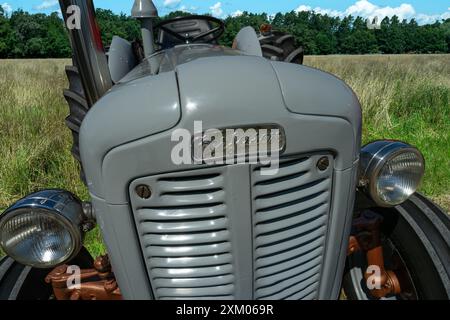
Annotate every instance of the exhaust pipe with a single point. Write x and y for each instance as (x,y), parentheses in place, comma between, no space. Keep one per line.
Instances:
(86,42)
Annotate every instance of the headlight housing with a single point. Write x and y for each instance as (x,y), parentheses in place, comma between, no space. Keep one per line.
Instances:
(391,171)
(43,229)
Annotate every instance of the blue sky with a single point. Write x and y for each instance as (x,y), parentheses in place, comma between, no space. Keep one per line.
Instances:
(424,11)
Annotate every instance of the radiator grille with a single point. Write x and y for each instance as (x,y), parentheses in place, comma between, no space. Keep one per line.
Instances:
(186,239)
(233,233)
(290,219)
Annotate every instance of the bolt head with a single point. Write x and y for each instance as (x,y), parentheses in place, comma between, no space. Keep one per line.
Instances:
(143,191)
(323,163)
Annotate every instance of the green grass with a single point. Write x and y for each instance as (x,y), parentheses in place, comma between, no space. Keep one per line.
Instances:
(403,97)
(34,143)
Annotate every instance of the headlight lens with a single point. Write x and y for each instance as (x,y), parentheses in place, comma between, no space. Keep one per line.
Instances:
(42,230)
(37,238)
(399,178)
(392,171)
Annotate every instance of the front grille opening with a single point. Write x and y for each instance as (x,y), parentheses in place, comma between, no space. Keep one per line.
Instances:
(187,206)
(318,241)
(190,235)
(295,226)
(174,221)
(191,192)
(200,244)
(316,253)
(283,163)
(308,282)
(290,238)
(291,203)
(190,178)
(281,179)
(312,263)
(292,190)
(292,215)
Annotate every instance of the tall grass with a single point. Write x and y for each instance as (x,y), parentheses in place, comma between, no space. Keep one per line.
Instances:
(34,142)
(403,97)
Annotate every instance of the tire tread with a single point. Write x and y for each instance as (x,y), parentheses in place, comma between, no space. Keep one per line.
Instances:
(78,107)
(281,46)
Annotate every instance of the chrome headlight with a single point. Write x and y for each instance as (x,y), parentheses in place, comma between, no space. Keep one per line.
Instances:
(43,229)
(391,171)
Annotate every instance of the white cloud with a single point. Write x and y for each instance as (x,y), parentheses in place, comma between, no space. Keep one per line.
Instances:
(216,9)
(303,8)
(46,4)
(366,9)
(187,9)
(425,18)
(319,10)
(237,13)
(7,7)
(171,3)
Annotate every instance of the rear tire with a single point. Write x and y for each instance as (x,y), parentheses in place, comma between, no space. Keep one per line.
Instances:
(417,233)
(19,282)
(281,46)
(78,107)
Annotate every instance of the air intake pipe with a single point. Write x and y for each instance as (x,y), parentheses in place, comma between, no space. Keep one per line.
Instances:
(87,47)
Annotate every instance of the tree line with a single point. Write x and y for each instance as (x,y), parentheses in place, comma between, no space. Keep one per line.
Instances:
(26,35)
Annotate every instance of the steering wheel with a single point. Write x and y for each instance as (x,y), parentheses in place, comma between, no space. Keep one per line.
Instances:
(216,32)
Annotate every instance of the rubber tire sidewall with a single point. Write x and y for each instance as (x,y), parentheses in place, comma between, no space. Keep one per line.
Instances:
(25,283)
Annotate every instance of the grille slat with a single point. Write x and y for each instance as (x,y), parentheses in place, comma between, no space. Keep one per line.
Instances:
(193,198)
(168,214)
(182,227)
(287,168)
(199,272)
(194,282)
(202,183)
(299,179)
(290,220)
(186,238)
(181,251)
(183,262)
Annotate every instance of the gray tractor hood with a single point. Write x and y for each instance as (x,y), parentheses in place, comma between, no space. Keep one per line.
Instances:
(224,89)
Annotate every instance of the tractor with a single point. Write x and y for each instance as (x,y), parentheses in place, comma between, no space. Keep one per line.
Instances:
(221,173)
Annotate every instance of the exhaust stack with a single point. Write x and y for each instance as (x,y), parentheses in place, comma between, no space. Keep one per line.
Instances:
(145,11)
(89,54)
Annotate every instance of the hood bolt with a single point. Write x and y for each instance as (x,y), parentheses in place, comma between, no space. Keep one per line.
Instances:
(323,163)
(143,191)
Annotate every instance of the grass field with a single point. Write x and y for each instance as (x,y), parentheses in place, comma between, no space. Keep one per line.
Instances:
(403,97)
